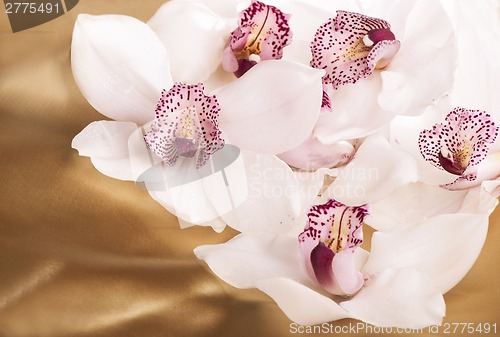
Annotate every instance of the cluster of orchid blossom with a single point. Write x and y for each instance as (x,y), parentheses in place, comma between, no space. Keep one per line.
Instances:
(297,123)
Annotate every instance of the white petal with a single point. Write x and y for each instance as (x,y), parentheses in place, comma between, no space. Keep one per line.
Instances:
(478,33)
(444,248)
(398,298)
(225,9)
(106,143)
(248,258)
(272,108)
(356,112)
(300,303)
(194,38)
(376,170)
(276,199)
(427,51)
(120,66)
(492,187)
(413,203)
(480,199)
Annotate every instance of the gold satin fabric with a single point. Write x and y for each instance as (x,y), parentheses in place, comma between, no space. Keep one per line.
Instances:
(82,254)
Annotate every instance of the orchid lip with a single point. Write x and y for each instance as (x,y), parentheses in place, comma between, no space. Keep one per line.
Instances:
(262,33)
(351,46)
(328,242)
(186,124)
(460,143)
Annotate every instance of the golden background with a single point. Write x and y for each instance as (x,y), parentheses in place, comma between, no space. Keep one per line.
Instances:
(82,254)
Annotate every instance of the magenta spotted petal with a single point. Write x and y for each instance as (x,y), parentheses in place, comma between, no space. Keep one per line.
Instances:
(185,125)
(350,46)
(460,143)
(327,244)
(264,31)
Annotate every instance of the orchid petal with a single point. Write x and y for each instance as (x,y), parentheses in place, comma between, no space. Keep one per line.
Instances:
(412,204)
(371,176)
(478,47)
(106,143)
(312,154)
(492,187)
(194,38)
(248,258)
(300,303)
(275,191)
(120,66)
(429,248)
(420,59)
(347,276)
(355,112)
(404,298)
(272,108)
(224,9)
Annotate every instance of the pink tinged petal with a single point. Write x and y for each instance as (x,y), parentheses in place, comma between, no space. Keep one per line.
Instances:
(443,248)
(312,154)
(377,170)
(263,30)
(272,108)
(333,228)
(350,46)
(347,276)
(120,66)
(398,298)
(459,143)
(194,38)
(106,143)
(300,303)
(185,125)
(248,258)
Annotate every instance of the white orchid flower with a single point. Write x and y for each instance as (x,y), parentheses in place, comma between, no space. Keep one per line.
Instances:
(326,276)
(121,67)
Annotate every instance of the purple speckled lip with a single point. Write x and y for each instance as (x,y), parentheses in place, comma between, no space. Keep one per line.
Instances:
(185,125)
(462,141)
(340,47)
